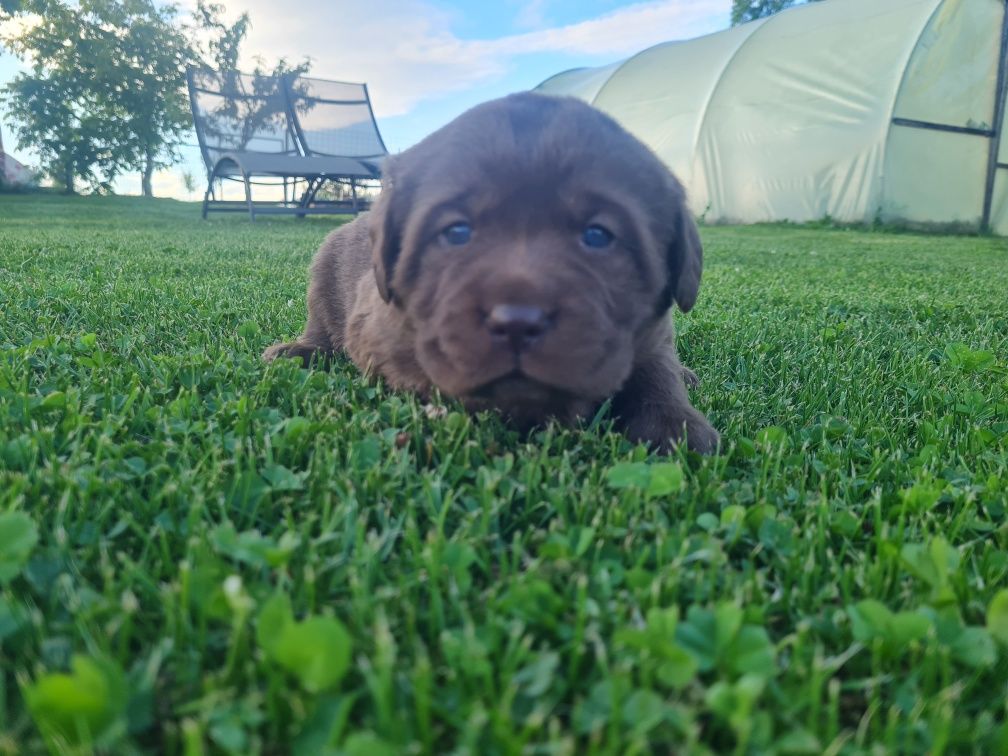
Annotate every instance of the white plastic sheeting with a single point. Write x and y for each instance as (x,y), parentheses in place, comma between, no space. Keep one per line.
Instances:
(832,109)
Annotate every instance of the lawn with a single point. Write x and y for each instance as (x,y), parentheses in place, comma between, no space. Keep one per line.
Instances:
(203,554)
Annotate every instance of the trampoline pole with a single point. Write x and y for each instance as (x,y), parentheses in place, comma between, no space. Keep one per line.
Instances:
(996,127)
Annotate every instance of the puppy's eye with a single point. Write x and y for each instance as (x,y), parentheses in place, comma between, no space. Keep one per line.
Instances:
(457,234)
(596,237)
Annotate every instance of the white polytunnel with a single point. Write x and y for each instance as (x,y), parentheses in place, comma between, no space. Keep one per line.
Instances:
(855,110)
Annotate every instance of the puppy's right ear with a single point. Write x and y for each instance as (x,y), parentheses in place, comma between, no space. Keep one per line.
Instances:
(686,258)
(384,227)
(684,254)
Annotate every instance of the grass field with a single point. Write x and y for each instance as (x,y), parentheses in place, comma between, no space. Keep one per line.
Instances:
(203,554)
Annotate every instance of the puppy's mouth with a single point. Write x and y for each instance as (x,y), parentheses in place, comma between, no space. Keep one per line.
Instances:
(516,387)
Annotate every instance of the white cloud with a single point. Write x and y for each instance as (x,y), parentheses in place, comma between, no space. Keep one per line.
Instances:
(621,32)
(406,51)
(531,14)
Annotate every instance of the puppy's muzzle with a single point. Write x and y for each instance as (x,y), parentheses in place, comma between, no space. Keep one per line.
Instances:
(517,326)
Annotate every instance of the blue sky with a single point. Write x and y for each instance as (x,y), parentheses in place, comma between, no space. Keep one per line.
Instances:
(425,61)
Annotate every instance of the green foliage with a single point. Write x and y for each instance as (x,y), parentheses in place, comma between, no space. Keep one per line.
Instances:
(671,663)
(18,536)
(316,650)
(895,634)
(961,357)
(935,564)
(655,479)
(871,621)
(735,704)
(997,616)
(750,10)
(81,710)
(720,639)
(255,558)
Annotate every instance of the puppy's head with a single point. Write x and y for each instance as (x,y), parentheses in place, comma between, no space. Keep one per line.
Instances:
(531,242)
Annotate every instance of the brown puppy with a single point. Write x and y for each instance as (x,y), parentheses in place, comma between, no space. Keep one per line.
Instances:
(522,258)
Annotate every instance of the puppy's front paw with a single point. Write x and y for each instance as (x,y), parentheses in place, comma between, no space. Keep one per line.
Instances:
(297,350)
(691,379)
(665,430)
(701,436)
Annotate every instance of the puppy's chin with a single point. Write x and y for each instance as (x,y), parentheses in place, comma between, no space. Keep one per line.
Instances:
(526,402)
(515,388)
(530,386)
(555,371)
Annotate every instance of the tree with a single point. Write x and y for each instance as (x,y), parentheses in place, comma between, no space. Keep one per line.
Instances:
(57,108)
(148,80)
(750,10)
(223,47)
(105,91)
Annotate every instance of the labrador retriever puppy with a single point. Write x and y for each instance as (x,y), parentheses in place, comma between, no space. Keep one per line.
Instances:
(523,258)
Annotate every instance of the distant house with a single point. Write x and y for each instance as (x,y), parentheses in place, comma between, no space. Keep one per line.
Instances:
(14,173)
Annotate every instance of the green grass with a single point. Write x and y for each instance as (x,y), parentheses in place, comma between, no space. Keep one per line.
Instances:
(203,554)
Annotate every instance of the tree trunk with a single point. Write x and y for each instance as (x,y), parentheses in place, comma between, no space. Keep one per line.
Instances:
(68,177)
(147,173)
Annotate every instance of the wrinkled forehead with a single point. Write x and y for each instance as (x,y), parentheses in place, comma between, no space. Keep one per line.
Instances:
(532,154)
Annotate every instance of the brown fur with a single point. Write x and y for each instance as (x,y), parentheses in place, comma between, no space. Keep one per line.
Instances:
(529,173)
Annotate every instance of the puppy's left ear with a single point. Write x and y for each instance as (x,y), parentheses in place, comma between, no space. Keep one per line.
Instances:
(685,255)
(384,228)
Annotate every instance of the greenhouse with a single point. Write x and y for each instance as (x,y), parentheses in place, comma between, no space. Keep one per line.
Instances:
(855,110)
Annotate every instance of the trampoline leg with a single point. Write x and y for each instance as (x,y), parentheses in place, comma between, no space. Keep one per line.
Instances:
(207,195)
(313,185)
(248,196)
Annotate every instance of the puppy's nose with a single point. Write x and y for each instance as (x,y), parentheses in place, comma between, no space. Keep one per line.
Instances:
(520,325)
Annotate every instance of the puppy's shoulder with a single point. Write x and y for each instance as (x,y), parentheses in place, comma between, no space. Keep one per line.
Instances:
(342,262)
(347,244)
